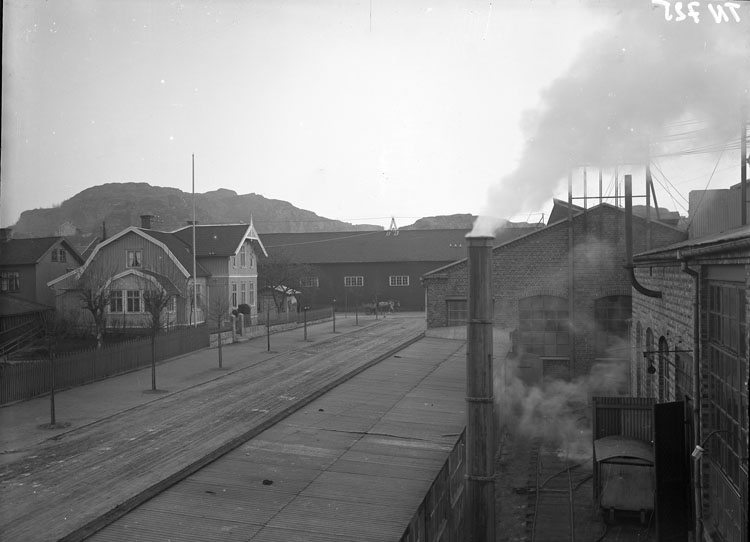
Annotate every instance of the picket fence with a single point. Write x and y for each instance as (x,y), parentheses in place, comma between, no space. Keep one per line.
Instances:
(29,378)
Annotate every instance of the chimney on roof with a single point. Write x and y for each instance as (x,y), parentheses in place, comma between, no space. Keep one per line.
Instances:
(6,234)
(146,221)
(190,222)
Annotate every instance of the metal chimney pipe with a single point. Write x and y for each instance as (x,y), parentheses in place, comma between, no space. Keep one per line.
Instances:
(480,424)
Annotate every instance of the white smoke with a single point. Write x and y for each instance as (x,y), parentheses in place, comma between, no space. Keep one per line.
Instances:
(628,83)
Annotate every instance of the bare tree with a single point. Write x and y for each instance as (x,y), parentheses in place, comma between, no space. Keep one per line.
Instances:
(219,312)
(281,275)
(155,302)
(93,290)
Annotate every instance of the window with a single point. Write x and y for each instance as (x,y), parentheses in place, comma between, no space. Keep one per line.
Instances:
(543,326)
(728,405)
(234,261)
(243,257)
(354,281)
(63,256)
(171,305)
(251,293)
(54,255)
(457,312)
(134,300)
(398,280)
(115,301)
(10,281)
(134,258)
(234,294)
(243,292)
(309,282)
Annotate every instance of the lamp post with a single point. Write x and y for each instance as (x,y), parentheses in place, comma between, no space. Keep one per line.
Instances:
(304,310)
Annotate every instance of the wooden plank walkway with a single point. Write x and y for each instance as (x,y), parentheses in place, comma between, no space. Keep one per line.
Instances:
(352,465)
(103,469)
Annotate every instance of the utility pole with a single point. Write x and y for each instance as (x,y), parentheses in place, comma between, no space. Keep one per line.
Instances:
(743,164)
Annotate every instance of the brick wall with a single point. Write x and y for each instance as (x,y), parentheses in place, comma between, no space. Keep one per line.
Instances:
(538,264)
(670,316)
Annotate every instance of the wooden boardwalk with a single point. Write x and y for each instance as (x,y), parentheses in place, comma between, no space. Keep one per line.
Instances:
(354,464)
(91,475)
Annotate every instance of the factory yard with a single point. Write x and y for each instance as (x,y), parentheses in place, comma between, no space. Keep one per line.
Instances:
(125,448)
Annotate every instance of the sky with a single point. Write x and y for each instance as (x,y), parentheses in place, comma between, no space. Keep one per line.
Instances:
(364,110)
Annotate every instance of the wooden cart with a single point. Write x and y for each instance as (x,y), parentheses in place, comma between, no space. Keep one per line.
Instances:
(624,476)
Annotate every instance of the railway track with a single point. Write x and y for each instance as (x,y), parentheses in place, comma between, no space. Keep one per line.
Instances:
(557,477)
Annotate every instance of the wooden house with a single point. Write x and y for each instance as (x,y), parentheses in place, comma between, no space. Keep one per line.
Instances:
(138,260)
(27,265)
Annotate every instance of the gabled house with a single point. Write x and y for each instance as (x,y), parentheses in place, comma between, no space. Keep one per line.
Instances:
(563,291)
(228,252)
(27,265)
(139,260)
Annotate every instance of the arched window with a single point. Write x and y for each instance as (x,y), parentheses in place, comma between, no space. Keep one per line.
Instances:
(543,325)
(650,384)
(639,360)
(663,370)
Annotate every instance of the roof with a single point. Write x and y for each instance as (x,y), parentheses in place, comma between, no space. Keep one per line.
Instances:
(218,239)
(716,242)
(30,251)
(602,207)
(619,446)
(179,249)
(13,305)
(378,245)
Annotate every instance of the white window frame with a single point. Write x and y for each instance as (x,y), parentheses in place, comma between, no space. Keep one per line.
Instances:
(398,280)
(136,261)
(243,293)
(309,282)
(116,296)
(354,281)
(128,297)
(243,257)
(234,295)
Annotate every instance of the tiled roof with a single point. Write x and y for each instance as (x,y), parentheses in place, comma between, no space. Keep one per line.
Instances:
(29,251)
(377,246)
(214,240)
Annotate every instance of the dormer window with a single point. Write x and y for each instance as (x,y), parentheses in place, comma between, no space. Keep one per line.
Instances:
(134,258)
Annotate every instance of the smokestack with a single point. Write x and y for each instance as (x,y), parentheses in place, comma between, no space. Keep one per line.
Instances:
(146,221)
(480,430)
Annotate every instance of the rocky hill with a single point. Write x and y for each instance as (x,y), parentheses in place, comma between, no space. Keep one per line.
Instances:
(116,206)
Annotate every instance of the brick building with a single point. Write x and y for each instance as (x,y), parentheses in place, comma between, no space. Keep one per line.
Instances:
(563,290)
(693,341)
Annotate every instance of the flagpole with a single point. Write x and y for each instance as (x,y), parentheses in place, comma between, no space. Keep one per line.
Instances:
(195,278)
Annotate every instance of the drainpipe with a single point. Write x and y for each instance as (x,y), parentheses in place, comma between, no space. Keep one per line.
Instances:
(697,479)
(480,430)
(629,240)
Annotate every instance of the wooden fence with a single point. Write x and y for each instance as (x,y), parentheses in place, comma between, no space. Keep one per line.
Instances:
(26,379)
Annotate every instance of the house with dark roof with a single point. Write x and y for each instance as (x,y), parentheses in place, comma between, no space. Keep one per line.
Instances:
(27,265)
(359,267)
(222,275)
(563,291)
